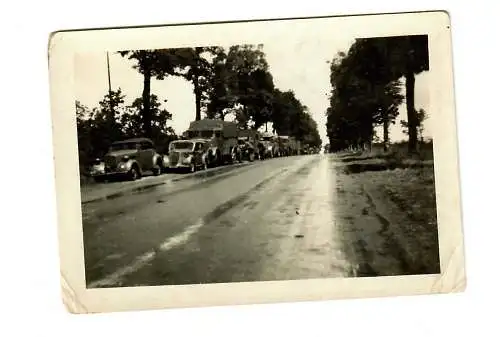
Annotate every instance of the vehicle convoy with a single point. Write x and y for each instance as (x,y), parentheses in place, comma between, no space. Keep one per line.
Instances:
(129,159)
(188,154)
(221,137)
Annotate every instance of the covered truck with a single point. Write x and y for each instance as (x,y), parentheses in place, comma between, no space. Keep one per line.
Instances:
(222,137)
(248,143)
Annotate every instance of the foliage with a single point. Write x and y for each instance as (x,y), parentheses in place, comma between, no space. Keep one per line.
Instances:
(113,120)
(421,117)
(366,89)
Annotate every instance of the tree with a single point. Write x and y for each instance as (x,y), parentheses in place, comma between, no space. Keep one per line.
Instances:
(99,127)
(404,56)
(221,99)
(389,109)
(161,132)
(194,65)
(356,102)
(151,64)
(250,83)
(83,125)
(421,117)
(366,88)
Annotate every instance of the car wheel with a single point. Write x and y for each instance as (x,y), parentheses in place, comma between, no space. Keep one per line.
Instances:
(157,170)
(133,173)
(99,179)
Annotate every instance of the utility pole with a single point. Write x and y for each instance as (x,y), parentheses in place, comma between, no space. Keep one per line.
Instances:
(111,103)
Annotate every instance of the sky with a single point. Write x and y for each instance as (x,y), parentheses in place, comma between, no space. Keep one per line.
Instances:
(297,65)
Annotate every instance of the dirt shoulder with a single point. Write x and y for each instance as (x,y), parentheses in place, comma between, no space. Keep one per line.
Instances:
(400,193)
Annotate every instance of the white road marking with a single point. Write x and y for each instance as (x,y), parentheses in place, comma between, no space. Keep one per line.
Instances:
(143,260)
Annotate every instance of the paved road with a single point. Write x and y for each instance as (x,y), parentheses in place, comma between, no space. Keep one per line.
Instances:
(272,220)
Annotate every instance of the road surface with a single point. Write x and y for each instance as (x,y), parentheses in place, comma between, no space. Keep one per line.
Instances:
(286,218)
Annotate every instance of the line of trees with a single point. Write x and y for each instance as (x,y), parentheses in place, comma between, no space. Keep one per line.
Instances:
(236,82)
(366,90)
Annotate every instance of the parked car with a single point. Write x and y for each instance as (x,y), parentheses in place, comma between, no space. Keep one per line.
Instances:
(129,159)
(188,154)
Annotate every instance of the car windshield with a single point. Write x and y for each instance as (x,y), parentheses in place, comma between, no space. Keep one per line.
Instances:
(192,134)
(124,146)
(182,145)
(206,134)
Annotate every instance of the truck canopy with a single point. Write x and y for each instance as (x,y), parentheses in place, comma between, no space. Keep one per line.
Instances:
(248,133)
(229,129)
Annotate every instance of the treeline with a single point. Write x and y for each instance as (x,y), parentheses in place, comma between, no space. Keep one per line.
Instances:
(366,91)
(233,82)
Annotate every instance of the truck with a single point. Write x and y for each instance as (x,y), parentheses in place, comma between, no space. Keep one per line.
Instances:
(287,146)
(248,143)
(267,145)
(222,139)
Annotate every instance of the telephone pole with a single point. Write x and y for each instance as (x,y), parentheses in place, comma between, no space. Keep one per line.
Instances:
(111,102)
(109,74)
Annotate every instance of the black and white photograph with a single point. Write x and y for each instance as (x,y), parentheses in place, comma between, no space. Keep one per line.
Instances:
(256,152)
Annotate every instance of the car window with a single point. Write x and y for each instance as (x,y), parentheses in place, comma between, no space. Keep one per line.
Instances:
(146,145)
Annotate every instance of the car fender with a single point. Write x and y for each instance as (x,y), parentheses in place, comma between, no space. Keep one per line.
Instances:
(157,157)
(132,162)
(213,150)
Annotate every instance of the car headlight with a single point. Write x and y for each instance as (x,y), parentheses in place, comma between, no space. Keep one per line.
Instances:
(97,168)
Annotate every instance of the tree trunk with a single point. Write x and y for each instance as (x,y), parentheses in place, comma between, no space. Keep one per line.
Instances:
(411,112)
(386,131)
(146,104)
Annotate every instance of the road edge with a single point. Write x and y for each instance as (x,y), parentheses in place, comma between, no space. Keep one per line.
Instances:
(217,172)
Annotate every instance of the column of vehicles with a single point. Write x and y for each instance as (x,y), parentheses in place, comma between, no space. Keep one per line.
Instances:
(207,143)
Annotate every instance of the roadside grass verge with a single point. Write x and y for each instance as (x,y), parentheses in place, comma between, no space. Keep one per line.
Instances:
(378,160)
(412,192)
(406,185)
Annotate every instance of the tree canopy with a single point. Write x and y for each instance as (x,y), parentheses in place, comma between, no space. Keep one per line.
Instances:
(366,89)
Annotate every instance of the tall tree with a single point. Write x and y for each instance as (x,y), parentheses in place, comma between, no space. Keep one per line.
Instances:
(194,64)
(251,83)
(221,99)
(404,56)
(151,64)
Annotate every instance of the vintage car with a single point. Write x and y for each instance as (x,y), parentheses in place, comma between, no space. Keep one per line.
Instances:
(188,154)
(129,159)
